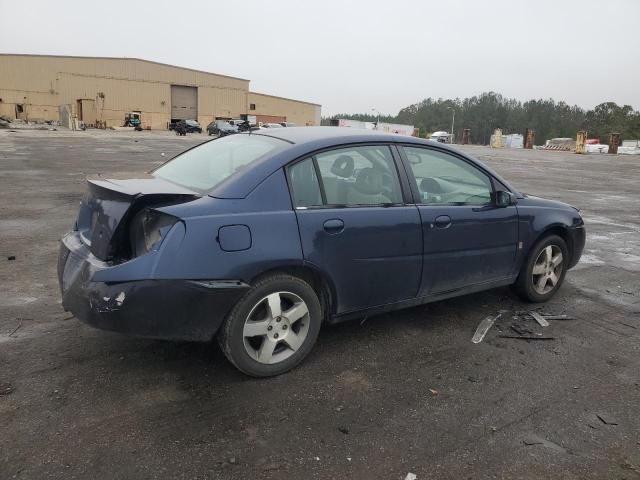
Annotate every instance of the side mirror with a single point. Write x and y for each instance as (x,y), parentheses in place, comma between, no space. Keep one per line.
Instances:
(504,199)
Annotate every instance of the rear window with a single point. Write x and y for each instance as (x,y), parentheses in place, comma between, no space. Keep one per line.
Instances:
(206,166)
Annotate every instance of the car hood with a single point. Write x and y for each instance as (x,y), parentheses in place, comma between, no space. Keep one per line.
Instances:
(533,201)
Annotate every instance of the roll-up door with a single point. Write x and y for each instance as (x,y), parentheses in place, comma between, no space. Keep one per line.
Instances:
(184,102)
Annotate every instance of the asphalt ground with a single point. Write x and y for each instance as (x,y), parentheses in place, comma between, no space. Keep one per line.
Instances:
(403,392)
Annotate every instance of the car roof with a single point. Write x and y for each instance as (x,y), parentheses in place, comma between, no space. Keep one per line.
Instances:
(301,135)
(304,140)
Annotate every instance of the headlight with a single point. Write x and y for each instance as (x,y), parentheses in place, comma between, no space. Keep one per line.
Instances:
(148,229)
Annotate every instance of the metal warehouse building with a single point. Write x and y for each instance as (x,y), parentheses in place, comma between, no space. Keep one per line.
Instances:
(100,91)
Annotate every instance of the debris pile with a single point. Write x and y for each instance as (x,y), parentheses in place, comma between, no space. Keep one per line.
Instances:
(36,124)
(519,328)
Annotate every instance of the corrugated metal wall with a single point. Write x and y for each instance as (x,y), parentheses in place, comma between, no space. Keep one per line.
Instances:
(43,83)
(300,113)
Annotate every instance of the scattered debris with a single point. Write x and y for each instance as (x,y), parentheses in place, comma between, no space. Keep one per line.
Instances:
(11,257)
(539,318)
(549,316)
(484,327)
(536,440)
(532,441)
(433,391)
(521,330)
(606,419)
(410,476)
(344,430)
(6,389)
(16,329)
(120,299)
(473,379)
(233,460)
(528,337)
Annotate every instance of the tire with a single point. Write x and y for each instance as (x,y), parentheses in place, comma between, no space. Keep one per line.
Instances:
(269,350)
(539,287)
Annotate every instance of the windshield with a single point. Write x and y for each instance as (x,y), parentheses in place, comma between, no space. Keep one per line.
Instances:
(204,167)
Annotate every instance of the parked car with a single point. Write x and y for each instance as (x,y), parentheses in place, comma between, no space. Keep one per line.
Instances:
(221,128)
(258,239)
(188,126)
(271,125)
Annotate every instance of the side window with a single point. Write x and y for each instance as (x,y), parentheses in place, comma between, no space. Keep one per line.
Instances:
(363,175)
(304,183)
(445,179)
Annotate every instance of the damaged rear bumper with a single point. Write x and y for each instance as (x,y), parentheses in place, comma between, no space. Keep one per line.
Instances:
(169,309)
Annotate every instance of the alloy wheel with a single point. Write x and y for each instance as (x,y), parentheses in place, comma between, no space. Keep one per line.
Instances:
(276,327)
(547,269)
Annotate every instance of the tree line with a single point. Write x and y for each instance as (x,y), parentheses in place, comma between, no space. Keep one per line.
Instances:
(488,111)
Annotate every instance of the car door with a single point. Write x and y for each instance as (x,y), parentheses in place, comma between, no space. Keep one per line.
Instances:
(355,225)
(467,239)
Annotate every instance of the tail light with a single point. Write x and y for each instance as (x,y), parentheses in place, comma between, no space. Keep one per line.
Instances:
(148,229)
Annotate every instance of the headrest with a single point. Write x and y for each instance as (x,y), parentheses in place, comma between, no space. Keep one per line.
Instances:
(343,166)
(369,181)
(430,185)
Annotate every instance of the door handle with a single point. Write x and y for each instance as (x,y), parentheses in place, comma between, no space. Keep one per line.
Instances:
(333,226)
(442,221)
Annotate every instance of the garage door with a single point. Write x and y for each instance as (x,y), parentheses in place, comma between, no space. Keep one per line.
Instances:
(184,102)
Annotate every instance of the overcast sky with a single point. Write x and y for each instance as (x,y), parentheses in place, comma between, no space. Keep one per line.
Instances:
(355,56)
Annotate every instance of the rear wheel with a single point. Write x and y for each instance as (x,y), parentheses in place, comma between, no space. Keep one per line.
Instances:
(273,327)
(544,270)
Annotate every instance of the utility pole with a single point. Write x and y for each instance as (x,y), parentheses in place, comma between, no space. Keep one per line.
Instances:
(453,120)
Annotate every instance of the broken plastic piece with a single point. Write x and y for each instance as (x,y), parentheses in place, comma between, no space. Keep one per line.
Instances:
(410,476)
(557,317)
(484,327)
(539,318)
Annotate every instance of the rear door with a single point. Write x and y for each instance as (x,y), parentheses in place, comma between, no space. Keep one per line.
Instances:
(467,240)
(356,225)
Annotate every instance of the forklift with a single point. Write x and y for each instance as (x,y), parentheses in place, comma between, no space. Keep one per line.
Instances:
(132,119)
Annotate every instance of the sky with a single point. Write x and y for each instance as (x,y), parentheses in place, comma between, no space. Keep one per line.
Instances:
(358,56)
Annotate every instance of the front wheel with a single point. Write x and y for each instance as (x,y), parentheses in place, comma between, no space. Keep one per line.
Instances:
(544,270)
(273,327)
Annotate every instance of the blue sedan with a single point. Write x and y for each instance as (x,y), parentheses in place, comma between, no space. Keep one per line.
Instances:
(256,239)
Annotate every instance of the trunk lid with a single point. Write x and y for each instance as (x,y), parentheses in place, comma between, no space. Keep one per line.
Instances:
(111,202)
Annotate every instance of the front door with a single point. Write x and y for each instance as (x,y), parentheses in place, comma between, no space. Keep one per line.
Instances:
(356,227)
(467,240)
